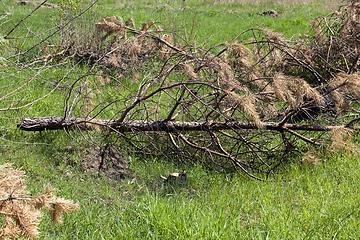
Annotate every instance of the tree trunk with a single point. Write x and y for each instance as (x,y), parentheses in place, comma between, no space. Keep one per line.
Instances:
(53,123)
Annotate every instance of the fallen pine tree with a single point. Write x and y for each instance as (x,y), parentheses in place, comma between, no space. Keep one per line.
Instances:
(55,123)
(239,106)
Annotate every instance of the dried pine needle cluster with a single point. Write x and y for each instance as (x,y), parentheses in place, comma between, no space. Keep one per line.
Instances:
(311,158)
(293,90)
(341,140)
(21,212)
(344,83)
(112,25)
(247,104)
(336,40)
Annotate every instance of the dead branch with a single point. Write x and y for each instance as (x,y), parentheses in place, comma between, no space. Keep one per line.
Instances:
(56,123)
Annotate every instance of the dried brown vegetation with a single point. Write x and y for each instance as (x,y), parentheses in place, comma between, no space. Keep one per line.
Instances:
(234,107)
(20,212)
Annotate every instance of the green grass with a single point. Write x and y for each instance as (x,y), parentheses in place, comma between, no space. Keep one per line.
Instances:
(306,202)
(207,24)
(300,202)
(203,24)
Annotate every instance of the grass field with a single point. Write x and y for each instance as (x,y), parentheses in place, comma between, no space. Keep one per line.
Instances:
(302,201)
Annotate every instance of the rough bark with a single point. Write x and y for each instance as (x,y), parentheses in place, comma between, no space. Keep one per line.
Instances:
(54,123)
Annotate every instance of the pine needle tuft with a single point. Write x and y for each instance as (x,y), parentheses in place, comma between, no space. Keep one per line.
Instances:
(341,140)
(19,210)
(247,104)
(294,90)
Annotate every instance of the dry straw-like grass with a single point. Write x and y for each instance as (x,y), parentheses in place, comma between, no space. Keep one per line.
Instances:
(103,80)
(112,25)
(188,70)
(60,206)
(164,50)
(341,140)
(130,23)
(318,30)
(274,36)
(351,23)
(344,83)
(340,102)
(293,90)
(311,158)
(226,78)
(144,26)
(238,49)
(247,103)
(89,104)
(20,211)
(242,55)
(348,83)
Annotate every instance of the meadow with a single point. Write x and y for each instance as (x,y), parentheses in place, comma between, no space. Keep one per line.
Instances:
(130,201)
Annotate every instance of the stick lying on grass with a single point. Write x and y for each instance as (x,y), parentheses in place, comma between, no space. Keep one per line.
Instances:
(55,123)
(180,177)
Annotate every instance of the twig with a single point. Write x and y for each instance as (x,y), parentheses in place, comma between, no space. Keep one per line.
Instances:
(6,36)
(301,136)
